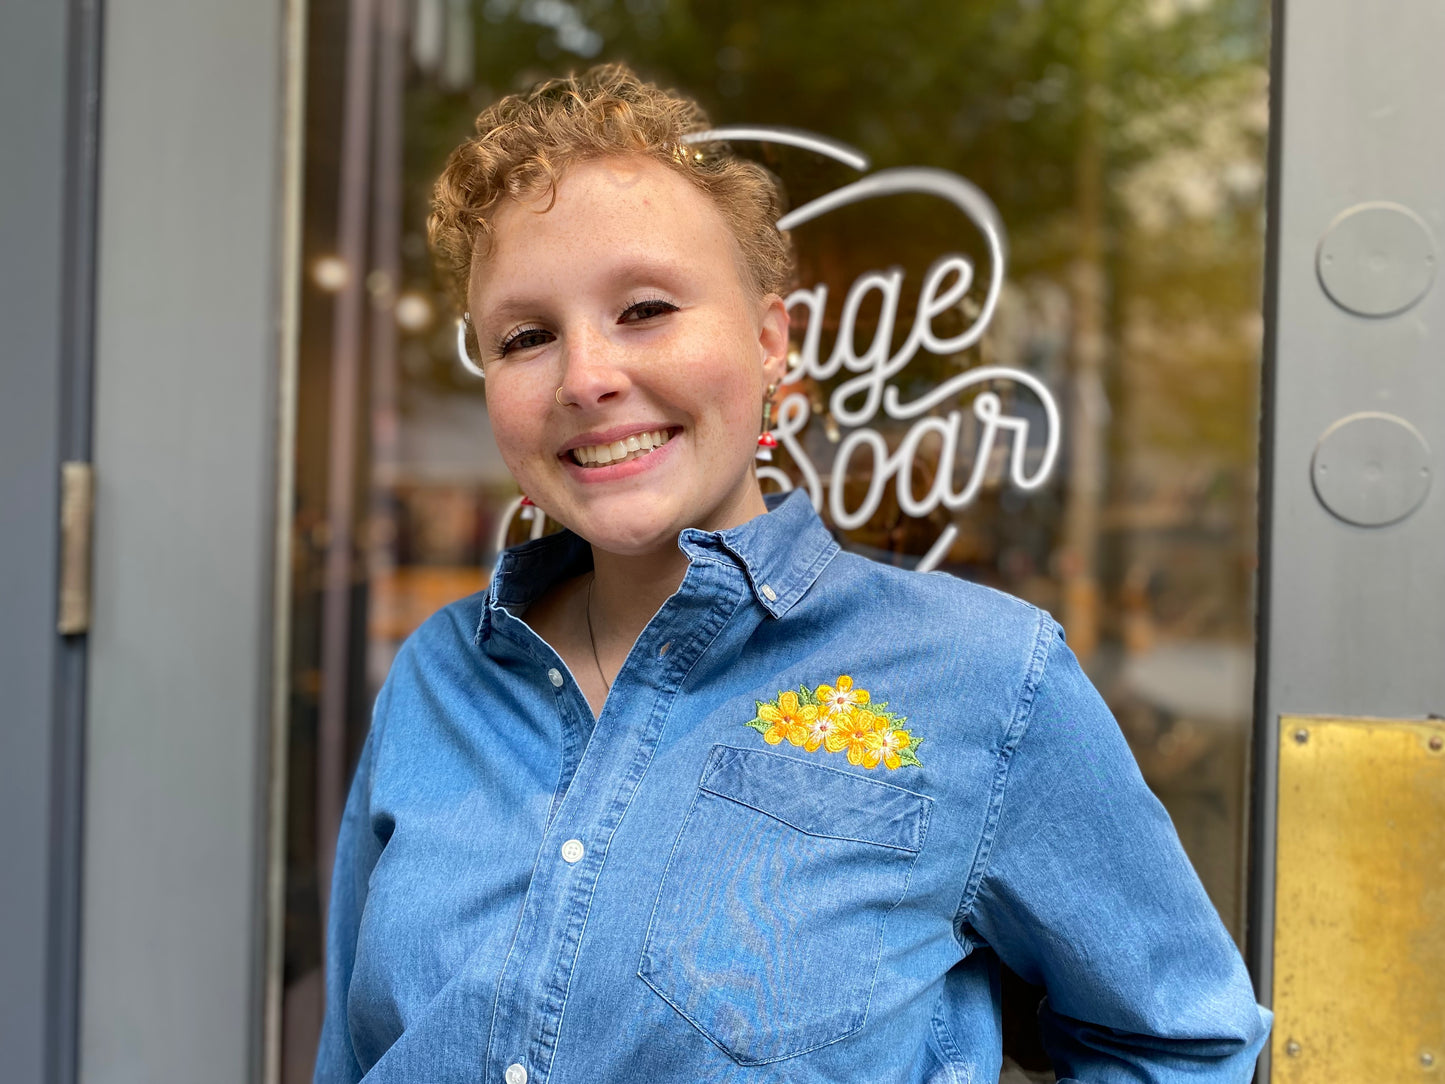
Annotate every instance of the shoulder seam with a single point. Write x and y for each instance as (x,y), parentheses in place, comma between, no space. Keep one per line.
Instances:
(1045,633)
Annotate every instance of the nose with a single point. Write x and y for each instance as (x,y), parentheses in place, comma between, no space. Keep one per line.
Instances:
(592,369)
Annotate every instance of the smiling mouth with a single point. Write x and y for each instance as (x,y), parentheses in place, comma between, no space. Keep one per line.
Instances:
(621,451)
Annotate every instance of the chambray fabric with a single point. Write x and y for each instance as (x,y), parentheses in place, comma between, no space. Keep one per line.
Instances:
(745,911)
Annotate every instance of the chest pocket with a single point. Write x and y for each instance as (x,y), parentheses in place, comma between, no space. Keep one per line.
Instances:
(770,919)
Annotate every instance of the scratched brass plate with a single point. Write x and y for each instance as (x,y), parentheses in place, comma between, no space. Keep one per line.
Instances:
(1359,933)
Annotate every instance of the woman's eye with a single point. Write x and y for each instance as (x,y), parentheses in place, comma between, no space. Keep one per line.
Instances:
(646,310)
(524,339)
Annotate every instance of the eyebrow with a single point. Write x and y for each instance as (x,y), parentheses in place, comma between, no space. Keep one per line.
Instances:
(510,308)
(642,272)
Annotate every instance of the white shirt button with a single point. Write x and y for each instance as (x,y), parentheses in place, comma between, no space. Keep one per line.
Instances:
(517,1072)
(555,677)
(769,593)
(572,850)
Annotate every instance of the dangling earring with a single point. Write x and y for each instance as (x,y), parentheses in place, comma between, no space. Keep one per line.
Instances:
(766,441)
(529,509)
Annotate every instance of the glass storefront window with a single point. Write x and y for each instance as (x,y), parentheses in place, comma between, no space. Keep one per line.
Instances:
(1122,145)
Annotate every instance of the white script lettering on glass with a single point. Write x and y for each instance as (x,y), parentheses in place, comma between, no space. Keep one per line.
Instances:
(857,401)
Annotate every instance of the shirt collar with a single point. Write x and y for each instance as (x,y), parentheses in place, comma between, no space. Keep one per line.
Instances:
(781,553)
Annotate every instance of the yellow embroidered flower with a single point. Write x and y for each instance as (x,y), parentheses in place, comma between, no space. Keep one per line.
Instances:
(891,743)
(821,731)
(787,719)
(862,737)
(834,718)
(841,697)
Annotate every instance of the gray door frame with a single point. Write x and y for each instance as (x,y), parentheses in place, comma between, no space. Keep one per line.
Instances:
(1351,618)
(192,296)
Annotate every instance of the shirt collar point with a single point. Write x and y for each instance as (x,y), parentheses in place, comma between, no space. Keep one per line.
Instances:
(782,552)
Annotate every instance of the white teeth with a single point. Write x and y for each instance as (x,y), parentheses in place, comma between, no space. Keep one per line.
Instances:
(638,444)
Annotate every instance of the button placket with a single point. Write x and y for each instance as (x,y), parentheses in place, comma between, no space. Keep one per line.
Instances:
(534,981)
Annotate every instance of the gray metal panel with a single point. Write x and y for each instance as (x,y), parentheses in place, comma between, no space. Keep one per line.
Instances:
(1353,618)
(48,62)
(186,386)
(32,70)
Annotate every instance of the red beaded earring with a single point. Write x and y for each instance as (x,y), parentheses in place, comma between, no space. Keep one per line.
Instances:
(766,441)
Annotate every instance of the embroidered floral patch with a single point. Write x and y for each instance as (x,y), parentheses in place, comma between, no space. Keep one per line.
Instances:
(838,718)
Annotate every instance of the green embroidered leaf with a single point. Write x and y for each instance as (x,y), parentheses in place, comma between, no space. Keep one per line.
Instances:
(908,756)
(758,725)
(805,696)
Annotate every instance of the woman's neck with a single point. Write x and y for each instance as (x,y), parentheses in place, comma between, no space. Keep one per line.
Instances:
(627,590)
(624,594)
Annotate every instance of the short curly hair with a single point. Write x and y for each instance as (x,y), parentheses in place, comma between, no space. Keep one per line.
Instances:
(525,142)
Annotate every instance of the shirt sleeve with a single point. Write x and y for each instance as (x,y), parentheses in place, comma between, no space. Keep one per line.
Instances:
(357,850)
(1087,892)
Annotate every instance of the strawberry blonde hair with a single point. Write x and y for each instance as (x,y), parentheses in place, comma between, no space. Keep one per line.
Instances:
(525,142)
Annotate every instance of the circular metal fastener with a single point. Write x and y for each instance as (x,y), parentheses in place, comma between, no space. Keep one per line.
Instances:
(1376,259)
(1437,743)
(1292,1048)
(1427,1059)
(1371,469)
(1301,735)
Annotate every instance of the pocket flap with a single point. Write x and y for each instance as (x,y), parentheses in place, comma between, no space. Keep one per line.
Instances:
(818,800)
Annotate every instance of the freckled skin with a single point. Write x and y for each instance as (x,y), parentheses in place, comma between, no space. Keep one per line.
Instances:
(628,295)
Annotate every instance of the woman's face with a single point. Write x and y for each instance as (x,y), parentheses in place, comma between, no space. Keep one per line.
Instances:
(628,296)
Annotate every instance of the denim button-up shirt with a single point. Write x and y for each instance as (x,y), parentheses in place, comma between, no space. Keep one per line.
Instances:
(823,799)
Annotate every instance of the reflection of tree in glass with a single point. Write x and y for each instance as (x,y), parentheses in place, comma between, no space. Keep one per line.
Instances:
(1121,140)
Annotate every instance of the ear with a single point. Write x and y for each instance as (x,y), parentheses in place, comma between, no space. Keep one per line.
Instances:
(773,338)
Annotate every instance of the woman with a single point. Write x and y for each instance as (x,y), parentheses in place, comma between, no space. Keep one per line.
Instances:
(688,794)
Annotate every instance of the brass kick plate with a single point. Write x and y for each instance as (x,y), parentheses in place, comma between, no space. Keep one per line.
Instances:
(1359,933)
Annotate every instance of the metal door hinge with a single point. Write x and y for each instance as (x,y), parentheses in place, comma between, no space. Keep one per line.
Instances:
(77,508)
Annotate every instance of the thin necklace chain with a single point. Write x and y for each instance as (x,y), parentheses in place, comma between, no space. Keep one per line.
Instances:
(592,638)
